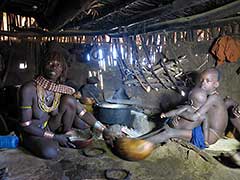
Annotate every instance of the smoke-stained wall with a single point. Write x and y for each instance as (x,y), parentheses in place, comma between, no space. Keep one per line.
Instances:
(196,54)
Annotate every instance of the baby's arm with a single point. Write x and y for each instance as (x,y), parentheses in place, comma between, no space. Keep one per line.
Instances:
(202,111)
(175,112)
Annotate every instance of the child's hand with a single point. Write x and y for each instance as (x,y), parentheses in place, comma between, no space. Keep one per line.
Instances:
(162,115)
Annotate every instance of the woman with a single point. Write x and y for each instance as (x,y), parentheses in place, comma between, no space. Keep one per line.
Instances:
(48,110)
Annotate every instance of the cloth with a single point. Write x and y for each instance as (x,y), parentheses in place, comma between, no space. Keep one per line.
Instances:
(226,48)
(198,137)
(50,86)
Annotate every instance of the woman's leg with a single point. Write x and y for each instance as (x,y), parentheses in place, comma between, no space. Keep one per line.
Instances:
(80,124)
(41,147)
(65,116)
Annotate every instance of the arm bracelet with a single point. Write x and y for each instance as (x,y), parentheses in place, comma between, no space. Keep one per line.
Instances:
(82,113)
(26,123)
(99,126)
(236,111)
(48,134)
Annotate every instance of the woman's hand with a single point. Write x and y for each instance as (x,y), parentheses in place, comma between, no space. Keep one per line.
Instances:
(109,136)
(63,140)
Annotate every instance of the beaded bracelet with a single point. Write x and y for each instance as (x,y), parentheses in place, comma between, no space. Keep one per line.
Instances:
(82,112)
(26,123)
(236,111)
(99,126)
(48,134)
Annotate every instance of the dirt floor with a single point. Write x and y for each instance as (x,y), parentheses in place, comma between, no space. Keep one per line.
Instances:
(170,161)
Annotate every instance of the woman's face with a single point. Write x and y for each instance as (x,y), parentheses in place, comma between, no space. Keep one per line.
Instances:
(53,70)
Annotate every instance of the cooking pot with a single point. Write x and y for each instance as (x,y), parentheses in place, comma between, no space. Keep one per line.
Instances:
(113,113)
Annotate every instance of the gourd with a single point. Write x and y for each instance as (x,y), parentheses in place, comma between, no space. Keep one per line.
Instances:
(133,149)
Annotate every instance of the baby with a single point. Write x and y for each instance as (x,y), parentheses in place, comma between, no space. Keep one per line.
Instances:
(197,97)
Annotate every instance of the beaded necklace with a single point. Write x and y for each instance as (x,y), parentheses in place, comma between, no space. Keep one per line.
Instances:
(58,89)
(54,87)
(214,92)
(41,100)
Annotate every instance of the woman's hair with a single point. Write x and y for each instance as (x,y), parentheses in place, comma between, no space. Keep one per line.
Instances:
(56,56)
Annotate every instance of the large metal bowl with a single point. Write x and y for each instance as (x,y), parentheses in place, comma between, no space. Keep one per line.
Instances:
(80,138)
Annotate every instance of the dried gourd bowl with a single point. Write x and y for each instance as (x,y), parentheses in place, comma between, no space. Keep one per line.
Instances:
(80,138)
(133,149)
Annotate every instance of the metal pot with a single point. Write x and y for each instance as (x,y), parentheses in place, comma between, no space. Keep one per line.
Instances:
(113,113)
(80,138)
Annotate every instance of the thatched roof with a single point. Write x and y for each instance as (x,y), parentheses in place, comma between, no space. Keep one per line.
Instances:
(124,16)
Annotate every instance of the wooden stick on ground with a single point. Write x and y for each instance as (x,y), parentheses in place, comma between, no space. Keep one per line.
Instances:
(202,153)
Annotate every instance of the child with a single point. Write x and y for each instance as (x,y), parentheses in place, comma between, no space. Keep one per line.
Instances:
(197,98)
(214,108)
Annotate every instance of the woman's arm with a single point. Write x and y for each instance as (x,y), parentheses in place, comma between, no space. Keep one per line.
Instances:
(26,111)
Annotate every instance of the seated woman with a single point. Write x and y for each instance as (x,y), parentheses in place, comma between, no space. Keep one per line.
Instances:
(48,110)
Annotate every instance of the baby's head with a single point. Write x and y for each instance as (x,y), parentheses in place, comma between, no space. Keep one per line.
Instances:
(198,97)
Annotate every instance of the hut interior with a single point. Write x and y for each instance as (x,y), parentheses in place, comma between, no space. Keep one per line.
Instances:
(146,55)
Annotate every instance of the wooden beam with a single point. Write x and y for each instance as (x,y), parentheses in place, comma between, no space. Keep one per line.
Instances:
(70,15)
(115,33)
(210,24)
(52,34)
(180,28)
(112,20)
(221,12)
